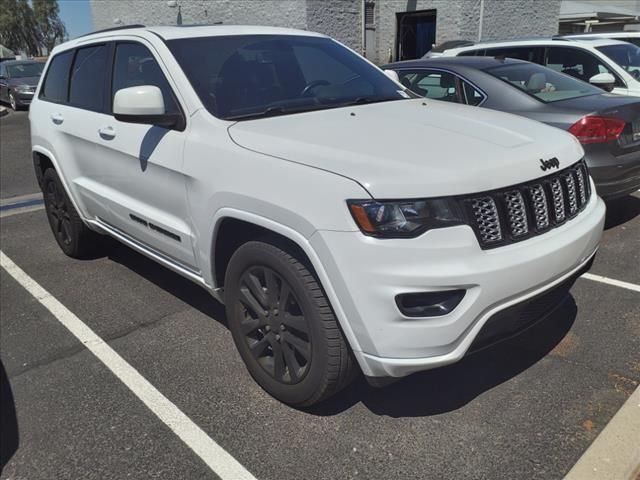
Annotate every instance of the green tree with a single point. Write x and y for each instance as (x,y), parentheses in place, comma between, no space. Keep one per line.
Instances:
(50,29)
(33,30)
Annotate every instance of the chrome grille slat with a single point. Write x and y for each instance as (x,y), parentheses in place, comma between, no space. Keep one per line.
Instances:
(581,186)
(557,196)
(540,209)
(516,213)
(521,211)
(488,222)
(573,194)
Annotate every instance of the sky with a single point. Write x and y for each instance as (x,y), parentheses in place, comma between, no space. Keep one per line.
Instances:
(76,15)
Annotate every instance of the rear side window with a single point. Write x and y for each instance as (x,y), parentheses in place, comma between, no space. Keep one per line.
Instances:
(471,53)
(577,63)
(88,78)
(434,84)
(134,66)
(530,54)
(57,79)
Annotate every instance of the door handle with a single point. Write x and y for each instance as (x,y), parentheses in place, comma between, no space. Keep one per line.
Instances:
(57,118)
(107,133)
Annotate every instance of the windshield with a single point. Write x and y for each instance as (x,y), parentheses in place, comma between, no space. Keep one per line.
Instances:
(627,56)
(542,83)
(242,77)
(22,70)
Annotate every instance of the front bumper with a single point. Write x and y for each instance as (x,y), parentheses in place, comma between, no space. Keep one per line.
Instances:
(367,273)
(23,98)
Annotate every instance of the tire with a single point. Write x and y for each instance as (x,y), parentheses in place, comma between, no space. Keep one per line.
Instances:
(13,102)
(299,353)
(73,236)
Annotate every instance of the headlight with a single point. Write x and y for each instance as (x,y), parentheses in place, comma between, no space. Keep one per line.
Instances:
(24,88)
(404,218)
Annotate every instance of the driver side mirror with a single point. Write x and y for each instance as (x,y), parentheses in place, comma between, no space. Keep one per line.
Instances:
(605,81)
(144,104)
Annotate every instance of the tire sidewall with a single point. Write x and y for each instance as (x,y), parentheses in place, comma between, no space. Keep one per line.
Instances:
(50,176)
(255,254)
(13,102)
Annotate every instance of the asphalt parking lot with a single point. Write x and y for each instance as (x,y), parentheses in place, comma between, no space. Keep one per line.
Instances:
(526,408)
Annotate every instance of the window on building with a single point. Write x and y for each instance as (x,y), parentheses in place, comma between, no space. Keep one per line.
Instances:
(89,69)
(135,65)
(57,80)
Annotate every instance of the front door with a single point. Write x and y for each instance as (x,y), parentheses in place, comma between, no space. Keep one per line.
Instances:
(137,185)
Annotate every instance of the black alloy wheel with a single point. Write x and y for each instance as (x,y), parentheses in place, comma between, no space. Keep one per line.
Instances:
(274,325)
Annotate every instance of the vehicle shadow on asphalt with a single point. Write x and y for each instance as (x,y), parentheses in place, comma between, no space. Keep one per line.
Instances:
(171,282)
(9,437)
(446,389)
(621,210)
(427,393)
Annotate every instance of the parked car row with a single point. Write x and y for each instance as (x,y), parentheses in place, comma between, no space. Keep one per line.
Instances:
(347,223)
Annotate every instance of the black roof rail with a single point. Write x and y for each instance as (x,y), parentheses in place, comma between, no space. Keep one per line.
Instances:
(121,27)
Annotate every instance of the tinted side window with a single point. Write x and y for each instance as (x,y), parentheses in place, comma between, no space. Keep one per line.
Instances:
(530,54)
(471,53)
(472,96)
(57,79)
(432,84)
(87,78)
(577,63)
(135,65)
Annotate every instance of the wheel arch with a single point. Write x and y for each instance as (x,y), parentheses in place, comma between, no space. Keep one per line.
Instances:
(246,227)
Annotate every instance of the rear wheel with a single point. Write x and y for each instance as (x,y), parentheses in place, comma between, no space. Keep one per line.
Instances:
(72,235)
(283,326)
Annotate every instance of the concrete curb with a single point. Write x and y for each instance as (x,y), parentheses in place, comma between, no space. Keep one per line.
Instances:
(615,453)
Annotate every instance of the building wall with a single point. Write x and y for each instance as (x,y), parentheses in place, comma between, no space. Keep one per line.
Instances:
(342,19)
(456,20)
(277,13)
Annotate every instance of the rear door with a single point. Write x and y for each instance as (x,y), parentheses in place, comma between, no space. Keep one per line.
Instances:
(137,182)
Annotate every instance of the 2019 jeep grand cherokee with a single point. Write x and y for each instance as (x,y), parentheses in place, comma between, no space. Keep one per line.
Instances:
(343,224)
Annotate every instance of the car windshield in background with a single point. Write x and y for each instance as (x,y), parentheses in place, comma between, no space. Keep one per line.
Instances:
(250,76)
(542,83)
(625,55)
(23,70)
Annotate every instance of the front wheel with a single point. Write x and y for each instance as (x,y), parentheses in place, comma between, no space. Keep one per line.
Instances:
(13,102)
(283,326)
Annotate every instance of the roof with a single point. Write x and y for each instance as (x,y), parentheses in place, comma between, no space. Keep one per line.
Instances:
(591,42)
(575,10)
(18,62)
(192,31)
(479,63)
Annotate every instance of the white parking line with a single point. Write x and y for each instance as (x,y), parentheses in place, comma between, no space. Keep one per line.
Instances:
(611,281)
(216,458)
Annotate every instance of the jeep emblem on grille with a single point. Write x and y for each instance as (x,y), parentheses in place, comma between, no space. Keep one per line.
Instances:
(551,163)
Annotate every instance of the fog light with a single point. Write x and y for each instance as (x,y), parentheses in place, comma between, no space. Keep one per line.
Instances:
(429,304)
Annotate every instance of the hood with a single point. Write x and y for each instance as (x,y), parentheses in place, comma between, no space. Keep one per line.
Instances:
(30,81)
(413,148)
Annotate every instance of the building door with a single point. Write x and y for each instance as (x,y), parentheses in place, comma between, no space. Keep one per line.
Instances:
(416,34)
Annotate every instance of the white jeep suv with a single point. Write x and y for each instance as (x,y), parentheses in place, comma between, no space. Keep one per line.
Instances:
(344,225)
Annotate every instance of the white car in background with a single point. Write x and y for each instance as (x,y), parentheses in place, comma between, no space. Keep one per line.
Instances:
(631,37)
(609,64)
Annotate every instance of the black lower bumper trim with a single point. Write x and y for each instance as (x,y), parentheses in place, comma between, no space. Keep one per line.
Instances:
(519,317)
